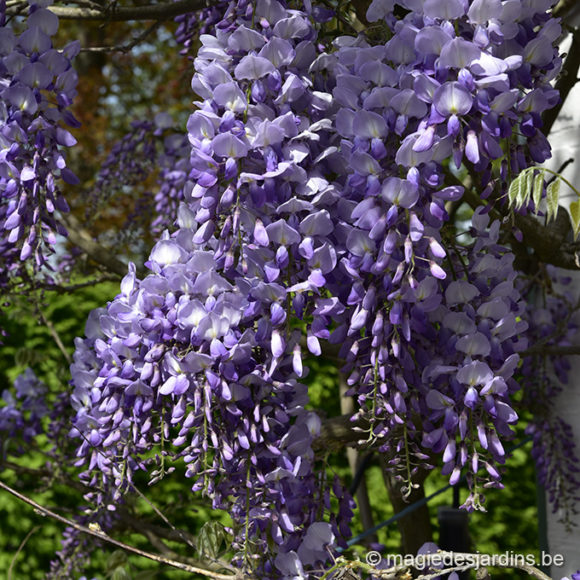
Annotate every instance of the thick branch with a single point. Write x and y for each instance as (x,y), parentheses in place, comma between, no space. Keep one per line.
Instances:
(83,239)
(551,350)
(548,242)
(118,14)
(567,80)
(74,287)
(336,432)
(125,48)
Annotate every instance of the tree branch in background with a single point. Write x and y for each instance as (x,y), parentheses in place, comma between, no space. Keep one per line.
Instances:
(125,48)
(105,538)
(548,242)
(124,14)
(56,337)
(74,287)
(568,78)
(82,238)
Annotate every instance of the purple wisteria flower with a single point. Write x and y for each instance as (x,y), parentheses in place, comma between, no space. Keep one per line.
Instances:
(553,447)
(21,413)
(470,380)
(199,356)
(36,91)
(315,190)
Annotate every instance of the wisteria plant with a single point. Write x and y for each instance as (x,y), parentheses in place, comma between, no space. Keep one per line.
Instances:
(342,187)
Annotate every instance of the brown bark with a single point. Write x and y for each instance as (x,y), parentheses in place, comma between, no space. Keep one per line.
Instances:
(415,528)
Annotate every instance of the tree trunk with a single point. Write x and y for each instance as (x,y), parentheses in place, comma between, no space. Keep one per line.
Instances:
(415,528)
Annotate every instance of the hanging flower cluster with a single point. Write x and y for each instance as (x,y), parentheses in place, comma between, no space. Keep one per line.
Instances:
(130,161)
(37,88)
(310,200)
(452,83)
(21,415)
(469,372)
(174,181)
(552,316)
(193,24)
(201,353)
(149,149)
(482,72)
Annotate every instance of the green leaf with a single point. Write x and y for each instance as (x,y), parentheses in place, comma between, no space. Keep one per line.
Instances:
(116,560)
(121,574)
(552,196)
(515,190)
(538,188)
(575,215)
(527,189)
(210,538)
(26,357)
(521,187)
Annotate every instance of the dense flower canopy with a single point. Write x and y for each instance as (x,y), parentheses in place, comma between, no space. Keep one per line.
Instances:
(308,205)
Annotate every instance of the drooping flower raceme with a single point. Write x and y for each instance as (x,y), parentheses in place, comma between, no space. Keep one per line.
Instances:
(148,149)
(36,91)
(552,316)
(21,414)
(316,191)
(200,354)
(468,377)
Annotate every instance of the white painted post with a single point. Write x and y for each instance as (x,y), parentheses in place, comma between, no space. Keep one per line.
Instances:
(565,141)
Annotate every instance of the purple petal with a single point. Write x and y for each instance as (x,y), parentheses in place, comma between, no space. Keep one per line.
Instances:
(378,9)
(431,40)
(452,98)
(438,401)
(472,147)
(228,145)
(474,373)
(228,95)
(260,233)
(253,67)
(278,51)
(400,192)
(475,344)
(458,53)
(281,233)
(369,125)
(244,39)
(437,270)
(460,292)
